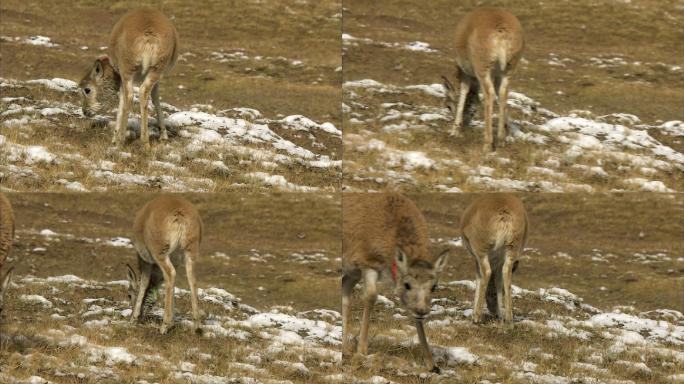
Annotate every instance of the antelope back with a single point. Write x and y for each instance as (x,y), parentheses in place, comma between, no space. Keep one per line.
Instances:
(144,39)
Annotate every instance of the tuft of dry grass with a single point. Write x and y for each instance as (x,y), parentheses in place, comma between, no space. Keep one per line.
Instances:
(619,252)
(274,252)
(585,57)
(288,68)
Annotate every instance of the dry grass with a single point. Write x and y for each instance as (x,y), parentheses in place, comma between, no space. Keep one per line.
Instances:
(272,251)
(578,242)
(614,224)
(642,33)
(645,31)
(273,36)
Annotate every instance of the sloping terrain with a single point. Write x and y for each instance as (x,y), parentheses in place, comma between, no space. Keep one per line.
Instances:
(595,105)
(557,338)
(252,104)
(597,299)
(268,274)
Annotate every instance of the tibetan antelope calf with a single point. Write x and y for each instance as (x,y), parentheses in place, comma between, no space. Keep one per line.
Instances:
(386,233)
(6,237)
(143,46)
(489,45)
(494,231)
(167,231)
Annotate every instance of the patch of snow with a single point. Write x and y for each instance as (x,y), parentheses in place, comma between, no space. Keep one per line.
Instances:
(40,40)
(280,181)
(36,299)
(119,242)
(58,84)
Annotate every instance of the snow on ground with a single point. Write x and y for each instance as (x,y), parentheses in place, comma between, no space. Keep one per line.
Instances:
(40,40)
(611,346)
(233,145)
(85,343)
(557,336)
(390,123)
(416,46)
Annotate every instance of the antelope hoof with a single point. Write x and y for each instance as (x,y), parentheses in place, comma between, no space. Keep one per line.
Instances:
(500,143)
(164,329)
(455,131)
(363,349)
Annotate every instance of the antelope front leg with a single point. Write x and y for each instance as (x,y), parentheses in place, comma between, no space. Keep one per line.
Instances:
(484,273)
(370,277)
(349,281)
(498,278)
(507,272)
(458,120)
(145,89)
(493,296)
(429,362)
(170,281)
(125,101)
(145,272)
(160,116)
(191,254)
(489,95)
(503,117)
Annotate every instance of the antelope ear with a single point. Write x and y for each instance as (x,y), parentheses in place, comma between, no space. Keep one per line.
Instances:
(132,277)
(6,280)
(441,260)
(450,95)
(99,65)
(401,260)
(447,85)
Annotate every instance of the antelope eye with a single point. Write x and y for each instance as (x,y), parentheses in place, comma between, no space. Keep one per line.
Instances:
(86,91)
(407,286)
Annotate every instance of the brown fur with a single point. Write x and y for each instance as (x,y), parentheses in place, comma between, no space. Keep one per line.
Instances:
(6,238)
(494,229)
(375,224)
(167,230)
(143,46)
(489,45)
(379,230)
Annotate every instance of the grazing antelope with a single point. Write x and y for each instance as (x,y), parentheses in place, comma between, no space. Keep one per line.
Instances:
(143,46)
(489,45)
(386,233)
(167,230)
(494,231)
(6,237)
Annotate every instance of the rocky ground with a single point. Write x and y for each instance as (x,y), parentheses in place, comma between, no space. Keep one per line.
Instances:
(597,299)
(269,294)
(244,113)
(595,105)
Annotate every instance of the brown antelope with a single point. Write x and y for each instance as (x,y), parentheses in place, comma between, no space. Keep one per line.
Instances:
(385,233)
(494,231)
(167,230)
(143,46)
(6,237)
(489,45)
